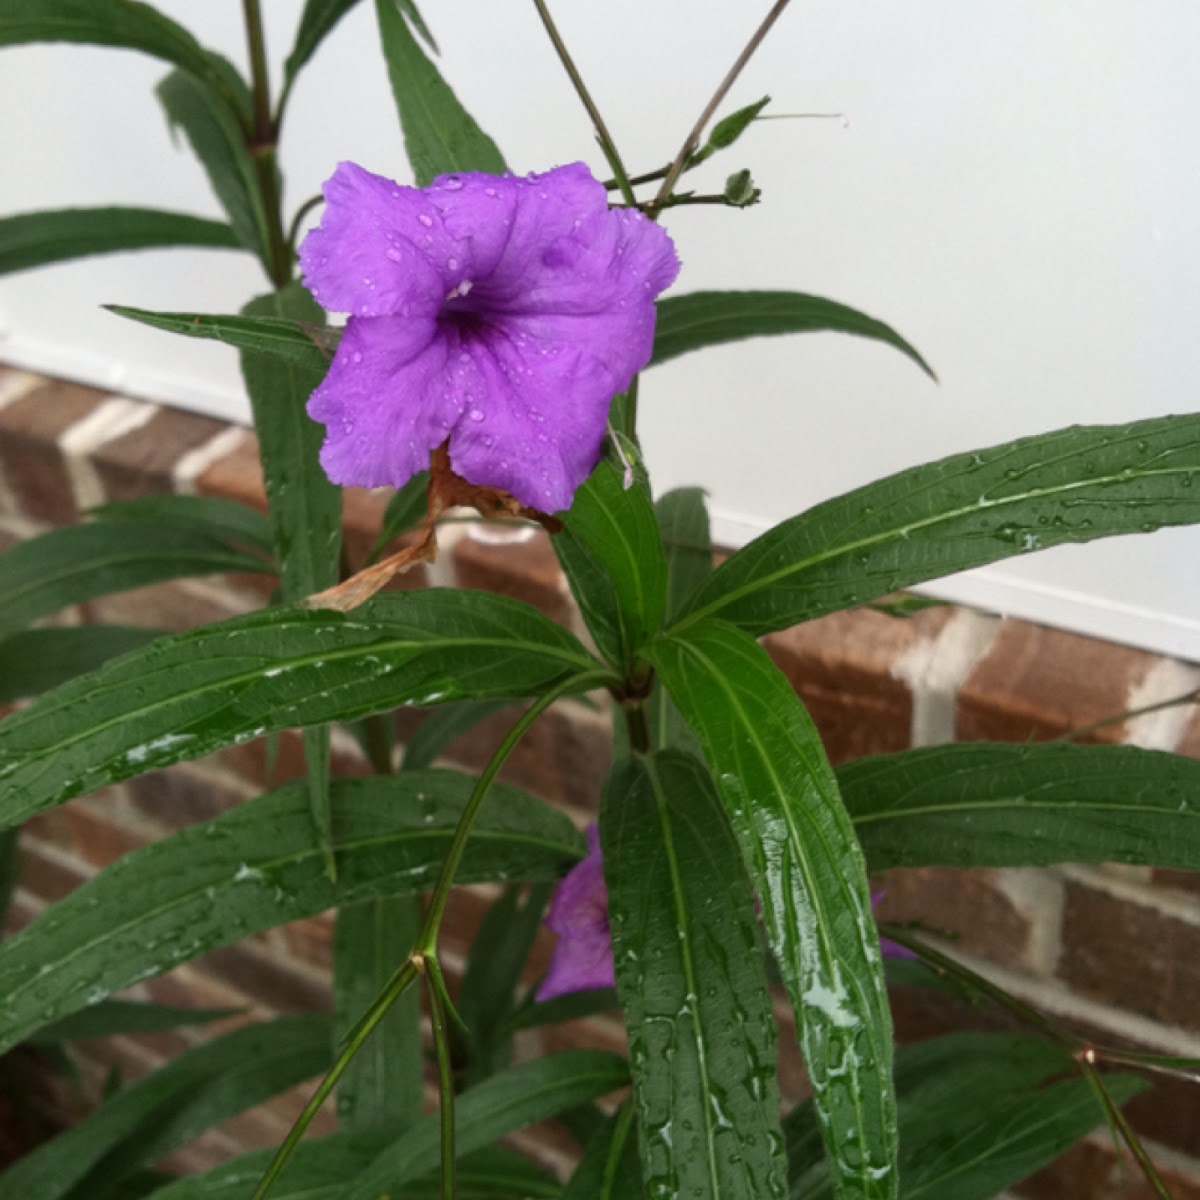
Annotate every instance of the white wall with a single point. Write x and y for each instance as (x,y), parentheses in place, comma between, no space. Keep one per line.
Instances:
(1016,191)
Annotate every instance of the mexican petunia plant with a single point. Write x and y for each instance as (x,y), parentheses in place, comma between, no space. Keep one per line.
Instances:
(497,323)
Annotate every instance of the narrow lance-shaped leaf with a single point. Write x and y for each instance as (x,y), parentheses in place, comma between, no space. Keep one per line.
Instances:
(1074,485)
(316,23)
(255,868)
(700,319)
(127,24)
(40,238)
(37,660)
(702,1038)
(508,1101)
(978,1113)
(239,523)
(612,552)
(191,694)
(799,847)
(305,345)
(169,1108)
(999,806)
(305,508)
(384,1085)
(439,134)
(79,562)
(219,142)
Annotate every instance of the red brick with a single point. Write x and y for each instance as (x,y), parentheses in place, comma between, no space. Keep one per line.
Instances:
(1095,1170)
(139,463)
(97,838)
(178,798)
(1131,956)
(267,980)
(33,466)
(564,758)
(1038,683)
(525,570)
(1189,743)
(969,907)
(311,941)
(841,667)
(236,476)
(172,606)
(47,875)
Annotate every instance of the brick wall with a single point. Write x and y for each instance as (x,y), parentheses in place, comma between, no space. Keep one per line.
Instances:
(1114,951)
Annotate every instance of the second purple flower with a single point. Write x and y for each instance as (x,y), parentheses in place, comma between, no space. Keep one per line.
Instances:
(499,313)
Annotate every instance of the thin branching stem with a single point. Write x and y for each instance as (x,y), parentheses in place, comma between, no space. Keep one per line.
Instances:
(1192,697)
(607,145)
(1117,1119)
(441,1049)
(693,138)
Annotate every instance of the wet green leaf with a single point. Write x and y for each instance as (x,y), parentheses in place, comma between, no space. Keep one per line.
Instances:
(702,1038)
(1074,485)
(799,848)
(257,867)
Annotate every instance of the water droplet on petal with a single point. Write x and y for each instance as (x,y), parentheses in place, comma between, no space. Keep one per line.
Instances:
(357,356)
(426,220)
(476,414)
(452,264)
(394,254)
(453,184)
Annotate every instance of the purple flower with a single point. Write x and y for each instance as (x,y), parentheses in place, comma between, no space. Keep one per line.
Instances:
(498,312)
(583,958)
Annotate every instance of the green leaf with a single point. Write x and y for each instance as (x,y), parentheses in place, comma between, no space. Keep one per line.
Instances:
(509,1100)
(173,1106)
(310,347)
(39,659)
(79,562)
(978,1113)
(612,552)
(442,728)
(320,1168)
(316,23)
(702,1038)
(573,1007)
(610,1169)
(701,319)
(1074,485)
(9,869)
(219,142)
(405,511)
(727,130)
(806,866)
(384,1085)
(121,23)
(440,136)
(111,1018)
(493,974)
(222,518)
(305,508)
(1030,805)
(683,518)
(187,695)
(39,238)
(256,867)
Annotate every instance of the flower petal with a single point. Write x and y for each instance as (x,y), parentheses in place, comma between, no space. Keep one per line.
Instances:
(390,398)
(536,425)
(377,249)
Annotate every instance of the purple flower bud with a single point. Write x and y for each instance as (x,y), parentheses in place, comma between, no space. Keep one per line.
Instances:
(497,312)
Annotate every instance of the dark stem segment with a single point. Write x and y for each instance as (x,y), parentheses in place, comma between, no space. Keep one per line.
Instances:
(1116,1117)
(602,134)
(693,138)
(262,146)
(445,1070)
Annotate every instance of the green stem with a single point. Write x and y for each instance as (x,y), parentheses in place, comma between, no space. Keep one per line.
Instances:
(638,726)
(1192,697)
(602,135)
(693,138)
(1117,1118)
(427,938)
(445,1070)
(396,987)
(262,147)
(945,965)
(293,232)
